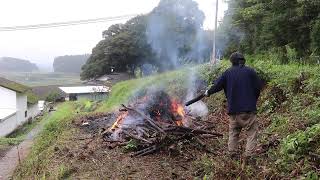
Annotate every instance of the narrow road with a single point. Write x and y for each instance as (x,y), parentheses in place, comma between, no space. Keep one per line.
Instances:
(16,154)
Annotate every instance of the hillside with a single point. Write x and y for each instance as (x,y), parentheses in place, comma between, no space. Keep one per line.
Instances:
(69,63)
(9,64)
(288,114)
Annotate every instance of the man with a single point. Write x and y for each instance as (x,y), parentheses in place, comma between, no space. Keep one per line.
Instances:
(241,86)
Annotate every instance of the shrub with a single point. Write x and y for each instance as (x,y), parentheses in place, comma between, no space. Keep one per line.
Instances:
(300,143)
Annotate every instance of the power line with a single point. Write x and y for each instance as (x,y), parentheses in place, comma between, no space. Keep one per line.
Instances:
(67,23)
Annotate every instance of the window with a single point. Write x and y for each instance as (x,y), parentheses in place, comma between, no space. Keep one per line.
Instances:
(25,113)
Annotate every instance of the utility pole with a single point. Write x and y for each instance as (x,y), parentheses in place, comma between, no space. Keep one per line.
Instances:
(213,61)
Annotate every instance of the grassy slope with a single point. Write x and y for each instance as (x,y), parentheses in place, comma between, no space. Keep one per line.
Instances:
(288,107)
(123,92)
(44,143)
(288,110)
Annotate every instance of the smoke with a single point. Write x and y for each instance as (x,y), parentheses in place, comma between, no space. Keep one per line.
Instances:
(176,35)
(199,108)
(161,41)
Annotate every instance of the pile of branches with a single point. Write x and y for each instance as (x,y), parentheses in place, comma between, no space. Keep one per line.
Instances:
(151,136)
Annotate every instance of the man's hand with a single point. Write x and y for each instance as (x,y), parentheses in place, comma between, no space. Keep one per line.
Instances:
(206,93)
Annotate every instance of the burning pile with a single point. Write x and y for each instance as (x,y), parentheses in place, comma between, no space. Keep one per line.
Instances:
(156,122)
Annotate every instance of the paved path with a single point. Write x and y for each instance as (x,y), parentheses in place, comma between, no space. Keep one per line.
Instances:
(10,161)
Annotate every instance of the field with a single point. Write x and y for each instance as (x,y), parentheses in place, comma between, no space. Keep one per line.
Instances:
(289,120)
(42,79)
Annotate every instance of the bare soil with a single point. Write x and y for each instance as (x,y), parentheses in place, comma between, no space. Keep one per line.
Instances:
(88,156)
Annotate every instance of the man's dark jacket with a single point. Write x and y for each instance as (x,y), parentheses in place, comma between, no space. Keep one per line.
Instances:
(241,86)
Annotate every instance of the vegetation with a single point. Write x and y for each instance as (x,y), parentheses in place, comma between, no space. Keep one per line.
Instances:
(36,79)
(26,128)
(166,38)
(57,123)
(13,85)
(288,111)
(281,27)
(126,91)
(69,64)
(9,64)
(19,134)
(31,97)
(53,97)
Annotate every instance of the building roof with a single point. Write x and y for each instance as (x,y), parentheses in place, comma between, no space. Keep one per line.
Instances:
(104,78)
(32,98)
(13,85)
(5,113)
(85,89)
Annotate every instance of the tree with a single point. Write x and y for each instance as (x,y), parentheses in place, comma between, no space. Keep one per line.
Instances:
(69,64)
(124,47)
(16,65)
(268,24)
(315,37)
(170,35)
(172,29)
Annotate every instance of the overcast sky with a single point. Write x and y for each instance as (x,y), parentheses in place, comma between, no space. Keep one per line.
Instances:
(42,45)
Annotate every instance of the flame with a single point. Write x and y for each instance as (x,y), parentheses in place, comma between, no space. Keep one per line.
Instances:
(179,123)
(178,109)
(118,122)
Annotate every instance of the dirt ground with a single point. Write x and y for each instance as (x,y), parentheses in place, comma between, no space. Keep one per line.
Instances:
(87,156)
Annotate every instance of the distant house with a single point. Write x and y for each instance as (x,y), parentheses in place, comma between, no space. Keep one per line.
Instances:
(85,92)
(17,105)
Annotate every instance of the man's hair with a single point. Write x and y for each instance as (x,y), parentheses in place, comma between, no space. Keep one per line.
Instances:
(237,59)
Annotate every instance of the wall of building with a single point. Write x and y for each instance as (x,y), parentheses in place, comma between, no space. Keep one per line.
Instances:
(93,96)
(33,110)
(21,108)
(8,98)
(8,125)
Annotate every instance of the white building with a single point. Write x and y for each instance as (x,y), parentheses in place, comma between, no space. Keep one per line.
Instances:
(85,92)
(17,105)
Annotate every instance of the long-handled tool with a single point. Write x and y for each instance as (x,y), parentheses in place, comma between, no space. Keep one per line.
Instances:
(198,98)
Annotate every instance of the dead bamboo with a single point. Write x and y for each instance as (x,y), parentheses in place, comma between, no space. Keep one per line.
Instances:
(151,121)
(190,130)
(136,137)
(145,151)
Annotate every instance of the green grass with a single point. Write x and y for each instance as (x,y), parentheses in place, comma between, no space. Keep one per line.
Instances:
(26,128)
(290,102)
(124,91)
(4,142)
(18,135)
(42,79)
(58,122)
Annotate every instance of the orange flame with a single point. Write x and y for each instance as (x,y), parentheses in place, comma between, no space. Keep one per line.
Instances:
(178,109)
(179,123)
(119,121)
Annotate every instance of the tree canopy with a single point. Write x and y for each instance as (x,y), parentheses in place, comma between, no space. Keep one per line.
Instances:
(268,25)
(69,63)
(16,65)
(167,37)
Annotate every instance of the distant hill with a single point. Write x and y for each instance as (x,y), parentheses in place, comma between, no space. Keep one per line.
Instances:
(70,63)
(17,65)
